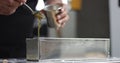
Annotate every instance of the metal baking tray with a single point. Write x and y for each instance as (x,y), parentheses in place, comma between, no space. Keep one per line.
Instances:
(68,48)
(85,60)
(90,60)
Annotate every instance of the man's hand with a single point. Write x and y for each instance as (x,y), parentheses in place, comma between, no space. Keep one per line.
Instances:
(8,7)
(62,16)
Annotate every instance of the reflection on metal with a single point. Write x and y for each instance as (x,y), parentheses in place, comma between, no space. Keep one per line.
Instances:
(67,48)
(50,12)
(95,60)
(62,48)
(33,51)
(92,60)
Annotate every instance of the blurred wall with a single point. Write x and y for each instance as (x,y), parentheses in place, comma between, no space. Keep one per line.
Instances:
(93,19)
(115,30)
(69,30)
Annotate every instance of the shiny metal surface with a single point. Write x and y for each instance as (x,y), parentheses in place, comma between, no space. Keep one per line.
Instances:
(83,60)
(33,51)
(71,48)
(67,48)
(13,60)
(50,12)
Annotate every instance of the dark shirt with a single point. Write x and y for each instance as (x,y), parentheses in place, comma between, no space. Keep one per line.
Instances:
(15,29)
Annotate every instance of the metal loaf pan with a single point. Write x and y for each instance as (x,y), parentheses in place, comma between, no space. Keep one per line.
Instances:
(67,48)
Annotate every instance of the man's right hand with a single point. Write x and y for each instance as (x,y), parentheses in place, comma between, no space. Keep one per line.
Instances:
(8,7)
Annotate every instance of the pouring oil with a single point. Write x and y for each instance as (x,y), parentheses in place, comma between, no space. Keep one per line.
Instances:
(39,16)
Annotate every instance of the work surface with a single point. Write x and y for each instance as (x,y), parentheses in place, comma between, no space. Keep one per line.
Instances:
(84,60)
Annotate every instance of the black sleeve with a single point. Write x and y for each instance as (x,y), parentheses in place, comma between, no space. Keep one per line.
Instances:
(32,3)
(44,0)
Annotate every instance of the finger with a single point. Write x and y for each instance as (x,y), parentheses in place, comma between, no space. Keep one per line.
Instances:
(64,20)
(13,6)
(61,16)
(21,1)
(5,10)
(3,7)
(8,7)
(63,24)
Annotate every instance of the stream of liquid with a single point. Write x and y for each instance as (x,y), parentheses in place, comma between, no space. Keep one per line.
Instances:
(40,16)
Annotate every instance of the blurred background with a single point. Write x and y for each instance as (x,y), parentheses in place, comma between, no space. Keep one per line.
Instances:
(94,19)
(88,19)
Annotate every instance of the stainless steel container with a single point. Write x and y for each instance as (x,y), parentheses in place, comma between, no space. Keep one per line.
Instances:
(67,48)
(97,60)
(50,13)
(85,60)
(56,48)
(33,51)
